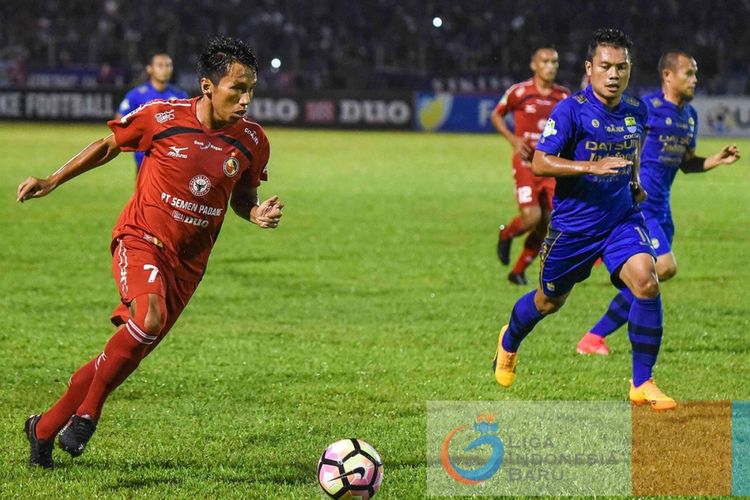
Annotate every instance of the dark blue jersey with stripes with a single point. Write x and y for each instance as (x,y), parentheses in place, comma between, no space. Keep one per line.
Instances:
(582,128)
(671,131)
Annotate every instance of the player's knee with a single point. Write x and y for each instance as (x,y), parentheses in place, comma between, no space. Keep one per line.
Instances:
(531,218)
(150,314)
(667,272)
(646,288)
(155,319)
(548,305)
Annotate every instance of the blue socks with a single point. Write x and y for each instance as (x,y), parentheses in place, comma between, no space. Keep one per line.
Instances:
(616,315)
(522,320)
(645,331)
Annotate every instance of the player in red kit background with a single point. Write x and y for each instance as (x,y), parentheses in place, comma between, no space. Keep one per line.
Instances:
(202,155)
(531,103)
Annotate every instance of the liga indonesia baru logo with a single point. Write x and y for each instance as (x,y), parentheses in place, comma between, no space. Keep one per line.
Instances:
(487,429)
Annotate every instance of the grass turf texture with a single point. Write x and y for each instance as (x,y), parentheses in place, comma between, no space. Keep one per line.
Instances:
(380,291)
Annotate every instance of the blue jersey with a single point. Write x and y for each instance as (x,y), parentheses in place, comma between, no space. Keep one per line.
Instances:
(143,94)
(582,128)
(670,132)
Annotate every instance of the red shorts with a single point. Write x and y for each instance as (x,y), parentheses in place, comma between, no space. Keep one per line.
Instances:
(140,267)
(532,190)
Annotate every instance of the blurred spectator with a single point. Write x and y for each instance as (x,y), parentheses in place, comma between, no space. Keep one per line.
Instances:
(381,44)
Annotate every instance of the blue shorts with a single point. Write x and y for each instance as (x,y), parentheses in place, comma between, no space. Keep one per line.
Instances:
(567,259)
(661,229)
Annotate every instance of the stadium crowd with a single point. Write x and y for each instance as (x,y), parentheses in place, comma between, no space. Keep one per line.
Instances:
(380,44)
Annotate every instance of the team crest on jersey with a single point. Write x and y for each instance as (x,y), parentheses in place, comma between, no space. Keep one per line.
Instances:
(630,124)
(231,166)
(199,185)
(549,128)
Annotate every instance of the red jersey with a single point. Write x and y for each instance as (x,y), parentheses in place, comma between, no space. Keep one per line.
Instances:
(186,178)
(530,108)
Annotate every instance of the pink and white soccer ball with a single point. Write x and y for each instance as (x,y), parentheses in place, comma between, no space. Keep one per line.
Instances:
(350,468)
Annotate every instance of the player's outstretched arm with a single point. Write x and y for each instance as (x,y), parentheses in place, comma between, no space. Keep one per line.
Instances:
(548,165)
(726,156)
(95,154)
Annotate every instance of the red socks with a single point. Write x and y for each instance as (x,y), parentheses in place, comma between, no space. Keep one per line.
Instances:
(56,417)
(531,248)
(513,229)
(121,357)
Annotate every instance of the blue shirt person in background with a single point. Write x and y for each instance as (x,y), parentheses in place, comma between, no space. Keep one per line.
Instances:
(591,144)
(670,146)
(159,70)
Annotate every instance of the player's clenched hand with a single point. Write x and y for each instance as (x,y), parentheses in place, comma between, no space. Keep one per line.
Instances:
(269,213)
(609,165)
(729,154)
(33,187)
(522,149)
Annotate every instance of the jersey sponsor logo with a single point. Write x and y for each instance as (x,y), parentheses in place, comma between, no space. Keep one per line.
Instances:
(580,98)
(200,185)
(615,128)
(252,135)
(549,128)
(189,219)
(550,286)
(668,121)
(203,146)
(655,243)
(529,108)
(595,123)
(656,102)
(231,166)
(177,152)
(164,116)
(630,124)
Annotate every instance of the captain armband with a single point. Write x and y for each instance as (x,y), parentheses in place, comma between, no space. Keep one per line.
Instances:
(693,165)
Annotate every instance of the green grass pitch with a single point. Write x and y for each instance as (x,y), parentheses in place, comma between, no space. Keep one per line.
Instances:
(380,291)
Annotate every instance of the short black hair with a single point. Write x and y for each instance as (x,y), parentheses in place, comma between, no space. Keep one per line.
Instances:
(219,55)
(611,37)
(154,54)
(544,46)
(668,60)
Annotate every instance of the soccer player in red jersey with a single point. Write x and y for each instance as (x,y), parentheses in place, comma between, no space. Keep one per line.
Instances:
(202,155)
(531,103)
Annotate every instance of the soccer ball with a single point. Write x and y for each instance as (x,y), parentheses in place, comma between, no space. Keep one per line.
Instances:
(350,468)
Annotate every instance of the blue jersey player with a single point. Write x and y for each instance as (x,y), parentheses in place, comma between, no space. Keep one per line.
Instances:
(591,144)
(159,69)
(669,146)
